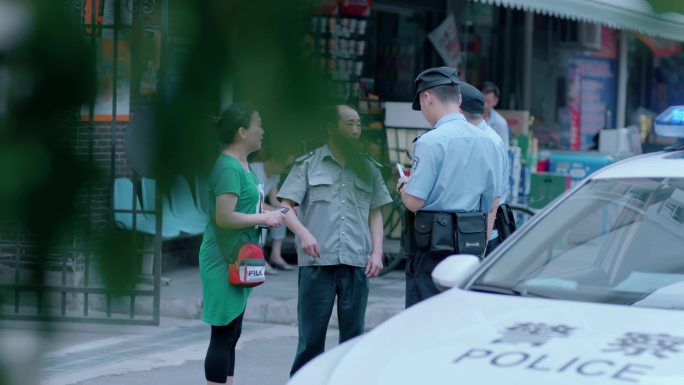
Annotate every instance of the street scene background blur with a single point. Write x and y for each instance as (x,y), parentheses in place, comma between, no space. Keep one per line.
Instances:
(106,135)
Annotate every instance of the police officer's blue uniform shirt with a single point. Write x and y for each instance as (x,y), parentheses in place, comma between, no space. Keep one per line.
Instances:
(504,164)
(454,166)
(505,188)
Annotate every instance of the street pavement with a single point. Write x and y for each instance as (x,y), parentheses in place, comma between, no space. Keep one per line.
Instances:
(175,356)
(173,352)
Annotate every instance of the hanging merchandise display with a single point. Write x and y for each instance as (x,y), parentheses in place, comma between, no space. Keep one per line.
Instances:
(339,38)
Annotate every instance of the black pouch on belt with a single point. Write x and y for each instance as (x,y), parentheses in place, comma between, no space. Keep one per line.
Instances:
(422,228)
(408,239)
(442,240)
(471,233)
(505,221)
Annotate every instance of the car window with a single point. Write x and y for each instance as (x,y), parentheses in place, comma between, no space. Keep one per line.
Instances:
(612,241)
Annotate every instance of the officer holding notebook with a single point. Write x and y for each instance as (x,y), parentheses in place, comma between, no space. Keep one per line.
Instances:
(453,185)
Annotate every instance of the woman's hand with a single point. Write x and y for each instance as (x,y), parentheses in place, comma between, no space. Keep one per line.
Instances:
(274,218)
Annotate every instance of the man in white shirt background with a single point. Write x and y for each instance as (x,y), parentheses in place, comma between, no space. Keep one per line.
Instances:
(493,118)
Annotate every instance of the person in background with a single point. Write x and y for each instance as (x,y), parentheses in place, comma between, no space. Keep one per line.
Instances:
(472,107)
(269,171)
(493,118)
(339,228)
(236,211)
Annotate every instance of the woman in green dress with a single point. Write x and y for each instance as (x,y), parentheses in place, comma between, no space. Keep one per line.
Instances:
(236,200)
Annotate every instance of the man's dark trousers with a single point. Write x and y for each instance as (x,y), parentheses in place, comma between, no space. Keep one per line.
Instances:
(318,287)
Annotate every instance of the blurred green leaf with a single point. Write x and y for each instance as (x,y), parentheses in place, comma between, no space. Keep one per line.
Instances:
(118,261)
(667,6)
(256,48)
(24,166)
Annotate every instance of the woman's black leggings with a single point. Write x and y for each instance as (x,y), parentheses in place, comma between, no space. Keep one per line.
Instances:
(220,361)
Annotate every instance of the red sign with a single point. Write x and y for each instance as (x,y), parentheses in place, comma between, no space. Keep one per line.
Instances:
(356,7)
(326,7)
(97,11)
(661,47)
(574,103)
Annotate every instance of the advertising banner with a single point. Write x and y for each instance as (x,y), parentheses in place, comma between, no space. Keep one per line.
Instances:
(104,72)
(445,40)
(592,83)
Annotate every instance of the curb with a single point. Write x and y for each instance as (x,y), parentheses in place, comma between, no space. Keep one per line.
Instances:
(181,308)
(272,311)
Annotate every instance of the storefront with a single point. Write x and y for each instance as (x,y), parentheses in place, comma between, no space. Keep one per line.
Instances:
(577,66)
(566,70)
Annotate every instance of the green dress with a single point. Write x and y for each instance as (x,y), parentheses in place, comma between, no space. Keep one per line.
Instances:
(223,302)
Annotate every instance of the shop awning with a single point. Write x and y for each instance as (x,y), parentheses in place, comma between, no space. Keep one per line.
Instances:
(631,15)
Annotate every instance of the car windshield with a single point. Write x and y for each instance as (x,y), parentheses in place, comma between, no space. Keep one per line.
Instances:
(617,241)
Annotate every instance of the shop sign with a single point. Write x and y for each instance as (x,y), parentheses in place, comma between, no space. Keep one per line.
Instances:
(661,47)
(356,7)
(592,83)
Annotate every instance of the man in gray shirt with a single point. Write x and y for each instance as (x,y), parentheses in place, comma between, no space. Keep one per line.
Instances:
(339,233)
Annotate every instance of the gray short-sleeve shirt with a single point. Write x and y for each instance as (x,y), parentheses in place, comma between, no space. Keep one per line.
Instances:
(334,206)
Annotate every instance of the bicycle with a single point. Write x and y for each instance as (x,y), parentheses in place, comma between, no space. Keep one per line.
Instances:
(522,214)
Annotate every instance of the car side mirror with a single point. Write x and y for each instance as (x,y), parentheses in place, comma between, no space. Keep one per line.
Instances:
(454,270)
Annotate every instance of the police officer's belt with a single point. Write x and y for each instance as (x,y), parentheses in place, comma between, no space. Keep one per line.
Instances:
(451,233)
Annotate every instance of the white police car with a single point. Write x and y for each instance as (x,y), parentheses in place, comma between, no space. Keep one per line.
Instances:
(590,291)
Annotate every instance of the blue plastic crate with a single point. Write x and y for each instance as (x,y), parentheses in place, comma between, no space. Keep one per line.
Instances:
(577,165)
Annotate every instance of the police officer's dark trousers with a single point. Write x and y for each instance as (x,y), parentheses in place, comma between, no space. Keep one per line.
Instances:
(318,287)
(492,244)
(419,285)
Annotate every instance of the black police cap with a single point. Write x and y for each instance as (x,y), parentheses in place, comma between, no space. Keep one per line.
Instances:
(434,77)
(472,100)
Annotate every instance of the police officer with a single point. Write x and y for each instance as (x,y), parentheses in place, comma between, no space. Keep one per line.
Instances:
(339,231)
(455,169)
(472,107)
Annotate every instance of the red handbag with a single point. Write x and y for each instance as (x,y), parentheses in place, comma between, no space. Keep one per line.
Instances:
(249,268)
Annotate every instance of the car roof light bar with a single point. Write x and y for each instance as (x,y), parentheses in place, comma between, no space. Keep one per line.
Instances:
(671,123)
